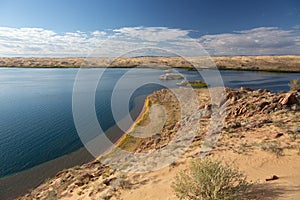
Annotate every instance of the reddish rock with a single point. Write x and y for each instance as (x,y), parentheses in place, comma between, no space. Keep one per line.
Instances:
(289,99)
(263,104)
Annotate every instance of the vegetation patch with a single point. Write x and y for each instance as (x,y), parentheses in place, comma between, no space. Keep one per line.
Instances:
(210,180)
(294,84)
(197,84)
(273,147)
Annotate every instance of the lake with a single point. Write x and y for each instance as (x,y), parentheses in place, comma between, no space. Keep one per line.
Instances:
(36,122)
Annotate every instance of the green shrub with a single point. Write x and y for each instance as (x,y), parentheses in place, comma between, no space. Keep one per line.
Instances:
(210,180)
(294,84)
(197,84)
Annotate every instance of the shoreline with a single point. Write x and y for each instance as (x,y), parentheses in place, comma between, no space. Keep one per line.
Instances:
(280,63)
(259,70)
(140,117)
(20,183)
(186,68)
(39,174)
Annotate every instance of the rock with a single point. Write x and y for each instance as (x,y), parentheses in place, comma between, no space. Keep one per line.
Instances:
(59,174)
(278,135)
(108,181)
(79,183)
(87,176)
(84,179)
(183,83)
(156,141)
(234,125)
(295,107)
(297,129)
(156,136)
(106,196)
(197,138)
(289,99)
(233,99)
(171,76)
(263,104)
(274,177)
(246,89)
(260,91)
(208,107)
(245,123)
(99,172)
(265,121)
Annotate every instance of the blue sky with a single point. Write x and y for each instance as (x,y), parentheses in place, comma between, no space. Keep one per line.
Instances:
(59,27)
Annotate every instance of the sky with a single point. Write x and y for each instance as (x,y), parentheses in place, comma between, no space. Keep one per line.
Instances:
(59,28)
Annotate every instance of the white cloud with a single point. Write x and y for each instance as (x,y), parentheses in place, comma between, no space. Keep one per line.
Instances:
(98,33)
(257,41)
(153,34)
(296,26)
(43,42)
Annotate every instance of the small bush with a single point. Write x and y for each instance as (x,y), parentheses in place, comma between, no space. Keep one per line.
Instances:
(293,137)
(121,182)
(210,180)
(273,147)
(294,84)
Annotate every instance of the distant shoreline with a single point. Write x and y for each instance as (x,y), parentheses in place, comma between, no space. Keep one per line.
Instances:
(144,67)
(287,63)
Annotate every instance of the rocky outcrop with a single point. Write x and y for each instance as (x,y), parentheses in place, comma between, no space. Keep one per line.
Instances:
(66,182)
(242,102)
(247,102)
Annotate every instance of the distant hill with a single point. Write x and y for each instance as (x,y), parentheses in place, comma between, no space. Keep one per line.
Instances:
(287,63)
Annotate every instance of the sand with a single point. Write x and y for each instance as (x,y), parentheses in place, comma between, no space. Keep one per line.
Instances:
(286,63)
(258,141)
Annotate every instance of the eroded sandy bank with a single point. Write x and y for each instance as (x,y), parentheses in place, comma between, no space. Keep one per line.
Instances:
(261,137)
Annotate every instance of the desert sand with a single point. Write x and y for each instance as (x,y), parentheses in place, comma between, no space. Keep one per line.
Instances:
(289,63)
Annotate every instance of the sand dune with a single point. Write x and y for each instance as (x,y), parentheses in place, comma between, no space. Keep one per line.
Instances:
(270,63)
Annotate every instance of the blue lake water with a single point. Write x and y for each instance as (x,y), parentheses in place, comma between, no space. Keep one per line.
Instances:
(36,122)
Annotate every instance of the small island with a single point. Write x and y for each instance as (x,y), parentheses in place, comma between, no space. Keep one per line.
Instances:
(194,84)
